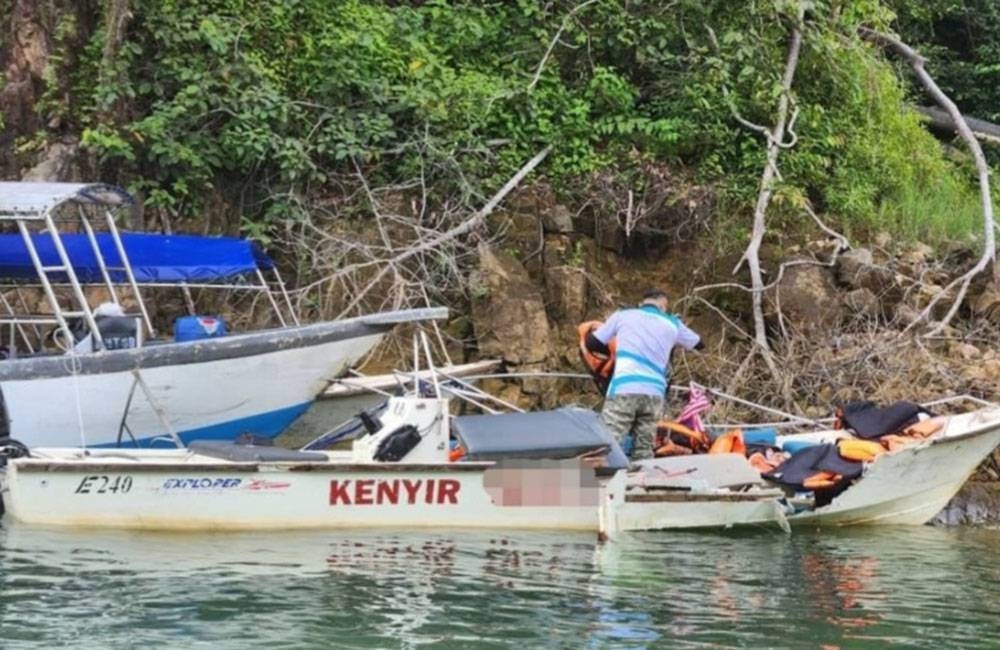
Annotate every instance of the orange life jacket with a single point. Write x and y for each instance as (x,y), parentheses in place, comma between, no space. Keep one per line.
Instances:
(821,480)
(913,434)
(925,428)
(600,366)
(731,442)
(675,439)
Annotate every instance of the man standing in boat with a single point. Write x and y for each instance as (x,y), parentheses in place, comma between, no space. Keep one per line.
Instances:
(645,338)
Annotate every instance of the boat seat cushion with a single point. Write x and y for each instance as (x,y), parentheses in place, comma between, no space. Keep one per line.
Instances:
(561,433)
(253,453)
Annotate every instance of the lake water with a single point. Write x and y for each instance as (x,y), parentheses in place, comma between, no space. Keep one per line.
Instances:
(914,587)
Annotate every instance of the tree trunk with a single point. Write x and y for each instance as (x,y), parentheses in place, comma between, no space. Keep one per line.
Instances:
(941,121)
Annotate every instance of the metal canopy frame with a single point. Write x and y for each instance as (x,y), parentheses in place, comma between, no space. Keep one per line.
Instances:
(35,203)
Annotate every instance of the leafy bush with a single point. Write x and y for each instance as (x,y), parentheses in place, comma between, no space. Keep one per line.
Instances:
(292,98)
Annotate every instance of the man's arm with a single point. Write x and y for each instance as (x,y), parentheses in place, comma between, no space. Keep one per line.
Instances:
(608,330)
(688,339)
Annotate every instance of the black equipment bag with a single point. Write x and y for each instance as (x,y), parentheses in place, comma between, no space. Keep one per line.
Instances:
(806,462)
(397,444)
(869,421)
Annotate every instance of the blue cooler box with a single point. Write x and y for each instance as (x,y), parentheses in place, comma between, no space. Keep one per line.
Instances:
(194,328)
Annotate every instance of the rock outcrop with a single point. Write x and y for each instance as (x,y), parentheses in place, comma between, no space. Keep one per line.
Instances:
(508,316)
(59,162)
(977,503)
(806,298)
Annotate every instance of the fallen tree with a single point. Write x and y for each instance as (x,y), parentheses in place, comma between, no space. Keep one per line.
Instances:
(940,120)
(916,62)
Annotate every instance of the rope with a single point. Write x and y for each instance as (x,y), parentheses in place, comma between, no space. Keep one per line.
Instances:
(75,366)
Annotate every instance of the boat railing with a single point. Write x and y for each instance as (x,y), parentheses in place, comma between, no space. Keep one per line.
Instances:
(32,209)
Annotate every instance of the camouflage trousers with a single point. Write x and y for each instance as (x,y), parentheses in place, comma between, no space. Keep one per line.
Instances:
(636,415)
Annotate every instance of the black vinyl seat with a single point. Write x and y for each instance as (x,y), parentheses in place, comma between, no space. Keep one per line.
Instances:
(562,433)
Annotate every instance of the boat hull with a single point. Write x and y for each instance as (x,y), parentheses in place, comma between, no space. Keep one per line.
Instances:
(175,494)
(209,389)
(906,487)
(191,490)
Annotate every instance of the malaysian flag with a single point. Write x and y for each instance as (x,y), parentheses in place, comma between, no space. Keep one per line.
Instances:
(698,402)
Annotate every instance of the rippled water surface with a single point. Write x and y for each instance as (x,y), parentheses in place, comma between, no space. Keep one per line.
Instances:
(915,587)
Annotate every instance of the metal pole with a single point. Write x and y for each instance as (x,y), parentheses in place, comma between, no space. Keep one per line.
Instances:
(457,392)
(270,297)
(13,325)
(188,299)
(373,389)
(127,266)
(81,297)
(50,294)
(766,409)
(97,253)
(959,398)
(26,310)
(160,413)
(284,294)
(514,375)
(416,367)
(430,363)
(478,391)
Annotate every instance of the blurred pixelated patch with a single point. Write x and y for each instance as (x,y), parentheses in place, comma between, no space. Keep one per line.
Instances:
(524,482)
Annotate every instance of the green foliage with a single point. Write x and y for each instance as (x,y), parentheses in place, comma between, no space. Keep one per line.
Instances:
(961,40)
(294,97)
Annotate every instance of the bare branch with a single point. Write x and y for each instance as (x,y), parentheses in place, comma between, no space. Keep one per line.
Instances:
(555,39)
(464,228)
(729,100)
(767,181)
(916,62)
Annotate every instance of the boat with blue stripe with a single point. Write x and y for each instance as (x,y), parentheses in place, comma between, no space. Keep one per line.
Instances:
(103,377)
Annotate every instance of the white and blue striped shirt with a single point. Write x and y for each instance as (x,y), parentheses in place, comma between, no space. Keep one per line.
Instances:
(645,336)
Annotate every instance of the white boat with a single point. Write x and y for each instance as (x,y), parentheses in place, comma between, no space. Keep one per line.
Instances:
(520,471)
(903,487)
(134,394)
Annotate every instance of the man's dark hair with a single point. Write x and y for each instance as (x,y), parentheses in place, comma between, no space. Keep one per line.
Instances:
(655,294)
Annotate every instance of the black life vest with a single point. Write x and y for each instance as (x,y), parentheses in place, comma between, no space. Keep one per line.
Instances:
(118,332)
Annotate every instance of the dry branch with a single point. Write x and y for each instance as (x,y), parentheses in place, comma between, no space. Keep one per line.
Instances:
(775,143)
(555,39)
(468,226)
(916,62)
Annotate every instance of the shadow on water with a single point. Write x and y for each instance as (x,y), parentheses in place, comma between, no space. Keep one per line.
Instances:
(917,587)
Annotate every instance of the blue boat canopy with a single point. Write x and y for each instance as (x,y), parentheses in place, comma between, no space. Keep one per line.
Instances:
(154,258)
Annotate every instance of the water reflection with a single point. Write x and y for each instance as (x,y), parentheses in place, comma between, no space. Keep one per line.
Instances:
(377,589)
